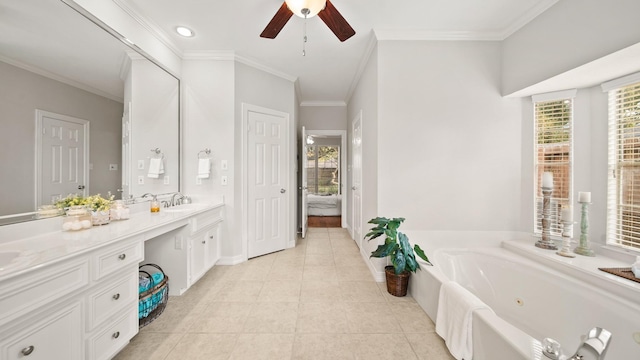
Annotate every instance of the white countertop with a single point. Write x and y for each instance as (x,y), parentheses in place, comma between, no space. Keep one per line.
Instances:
(49,247)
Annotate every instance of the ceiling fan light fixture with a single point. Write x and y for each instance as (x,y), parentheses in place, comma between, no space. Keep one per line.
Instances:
(314,7)
(184,31)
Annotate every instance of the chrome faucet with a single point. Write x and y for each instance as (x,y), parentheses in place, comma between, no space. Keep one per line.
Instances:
(593,347)
(173,199)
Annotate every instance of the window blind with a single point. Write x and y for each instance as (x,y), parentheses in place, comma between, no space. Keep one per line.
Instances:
(623,197)
(553,153)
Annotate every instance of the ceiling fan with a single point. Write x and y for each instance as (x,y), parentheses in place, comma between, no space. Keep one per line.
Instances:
(306,9)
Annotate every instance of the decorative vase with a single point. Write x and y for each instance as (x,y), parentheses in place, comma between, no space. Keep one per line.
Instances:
(396,283)
(100,217)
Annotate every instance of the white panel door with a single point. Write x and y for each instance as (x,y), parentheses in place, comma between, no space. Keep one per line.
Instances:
(62,156)
(305,191)
(356,179)
(268,177)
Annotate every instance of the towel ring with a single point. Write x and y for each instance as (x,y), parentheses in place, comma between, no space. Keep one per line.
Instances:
(207,151)
(157,151)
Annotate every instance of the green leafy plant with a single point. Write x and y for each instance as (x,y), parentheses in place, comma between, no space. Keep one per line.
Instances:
(396,245)
(94,202)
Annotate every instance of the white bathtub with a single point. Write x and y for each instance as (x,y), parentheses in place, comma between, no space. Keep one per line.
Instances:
(531,300)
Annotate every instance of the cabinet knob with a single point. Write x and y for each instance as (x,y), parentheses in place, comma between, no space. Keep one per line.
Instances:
(211,237)
(122,256)
(204,242)
(116,296)
(116,334)
(28,350)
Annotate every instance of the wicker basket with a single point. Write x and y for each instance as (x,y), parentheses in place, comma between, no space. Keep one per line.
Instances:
(153,300)
(396,284)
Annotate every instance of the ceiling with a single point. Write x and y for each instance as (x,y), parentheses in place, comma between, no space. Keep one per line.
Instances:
(327,73)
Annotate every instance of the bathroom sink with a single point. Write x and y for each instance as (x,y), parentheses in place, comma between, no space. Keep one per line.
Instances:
(7,256)
(185,207)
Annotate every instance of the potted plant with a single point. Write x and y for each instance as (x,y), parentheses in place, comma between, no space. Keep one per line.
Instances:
(397,247)
(99,207)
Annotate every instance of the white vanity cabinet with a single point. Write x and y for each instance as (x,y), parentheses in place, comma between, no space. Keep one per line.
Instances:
(204,243)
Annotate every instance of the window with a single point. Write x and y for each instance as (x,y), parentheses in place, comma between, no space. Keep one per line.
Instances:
(553,142)
(623,198)
(323,168)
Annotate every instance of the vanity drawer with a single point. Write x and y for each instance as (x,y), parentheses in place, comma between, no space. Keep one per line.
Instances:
(108,299)
(205,219)
(107,342)
(25,293)
(111,259)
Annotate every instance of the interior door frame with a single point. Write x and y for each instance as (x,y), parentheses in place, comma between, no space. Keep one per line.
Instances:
(244,192)
(343,167)
(40,115)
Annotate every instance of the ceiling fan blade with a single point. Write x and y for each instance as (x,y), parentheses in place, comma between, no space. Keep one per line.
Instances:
(336,22)
(277,23)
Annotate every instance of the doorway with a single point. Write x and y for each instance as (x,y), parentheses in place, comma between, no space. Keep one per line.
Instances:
(324,169)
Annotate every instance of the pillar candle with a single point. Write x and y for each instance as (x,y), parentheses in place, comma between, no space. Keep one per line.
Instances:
(547,180)
(566,214)
(584,197)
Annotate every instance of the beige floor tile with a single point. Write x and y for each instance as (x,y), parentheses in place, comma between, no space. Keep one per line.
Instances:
(272,317)
(285,271)
(317,249)
(289,259)
(322,347)
(319,259)
(322,317)
(221,317)
(319,272)
(177,317)
(360,291)
(371,318)
(280,291)
(320,291)
(354,273)
(392,298)
(203,347)
(381,347)
(263,347)
(149,346)
(352,259)
(429,346)
(239,291)
(412,318)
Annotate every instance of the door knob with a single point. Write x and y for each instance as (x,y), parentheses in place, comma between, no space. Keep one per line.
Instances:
(80,187)
(282,191)
(353,188)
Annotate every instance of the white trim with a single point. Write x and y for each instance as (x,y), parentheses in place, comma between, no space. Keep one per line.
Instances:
(556,95)
(323,103)
(230,260)
(62,79)
(527,17)
(620,82)
(371,45)
(39,115)
(343,167)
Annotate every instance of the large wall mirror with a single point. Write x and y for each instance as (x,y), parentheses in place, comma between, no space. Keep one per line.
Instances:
(65,79)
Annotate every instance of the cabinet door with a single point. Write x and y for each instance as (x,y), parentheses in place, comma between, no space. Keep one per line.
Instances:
(197,257)
(213,246)
(58,336)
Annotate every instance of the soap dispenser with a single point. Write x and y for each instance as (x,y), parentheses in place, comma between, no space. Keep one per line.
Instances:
(155,205)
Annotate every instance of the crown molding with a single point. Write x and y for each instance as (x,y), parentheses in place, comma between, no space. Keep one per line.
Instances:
(62,79)
(371,45)
(255,64)
(422,35)
(527,17)
(153,28)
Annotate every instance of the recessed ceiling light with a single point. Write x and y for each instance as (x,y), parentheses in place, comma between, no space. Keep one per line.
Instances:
(184,31)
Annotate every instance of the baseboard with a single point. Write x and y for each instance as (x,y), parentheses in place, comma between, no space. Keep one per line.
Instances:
(378,276)
(230,260)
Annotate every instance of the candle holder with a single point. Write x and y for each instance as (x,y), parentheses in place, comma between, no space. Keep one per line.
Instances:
(584,248)
(545,241)
(567,233)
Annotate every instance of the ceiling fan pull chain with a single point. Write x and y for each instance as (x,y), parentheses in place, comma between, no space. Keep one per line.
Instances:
(306,12)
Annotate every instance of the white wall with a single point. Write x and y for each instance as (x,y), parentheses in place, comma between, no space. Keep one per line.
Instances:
(569,34)
(365,100)
(450,157)
(323,118)
(209,123)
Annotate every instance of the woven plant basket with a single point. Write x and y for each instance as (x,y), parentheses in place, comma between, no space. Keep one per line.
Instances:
(396,284)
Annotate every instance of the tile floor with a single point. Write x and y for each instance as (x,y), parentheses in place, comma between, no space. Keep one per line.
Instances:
(315,301)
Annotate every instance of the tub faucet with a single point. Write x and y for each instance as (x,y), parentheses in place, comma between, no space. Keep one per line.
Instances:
(593,347)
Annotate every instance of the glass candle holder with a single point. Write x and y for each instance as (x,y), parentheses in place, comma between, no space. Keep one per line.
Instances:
(77,217)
